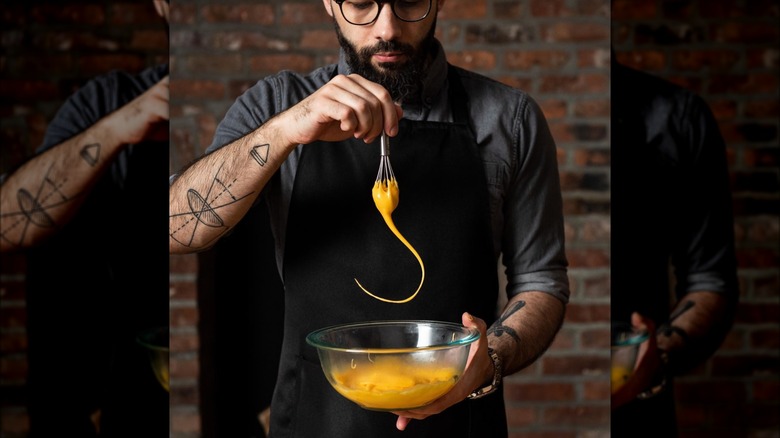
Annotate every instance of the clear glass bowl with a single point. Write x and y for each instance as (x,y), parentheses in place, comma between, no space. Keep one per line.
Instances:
(626,340)
(393,365)
(155,342)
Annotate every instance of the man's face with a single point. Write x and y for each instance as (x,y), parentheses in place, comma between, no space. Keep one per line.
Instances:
(389,51)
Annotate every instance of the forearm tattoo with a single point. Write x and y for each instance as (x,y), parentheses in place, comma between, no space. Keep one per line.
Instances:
(204,209)
(34,210)
(260,154)
(498,328)
(91,153)
(667,328)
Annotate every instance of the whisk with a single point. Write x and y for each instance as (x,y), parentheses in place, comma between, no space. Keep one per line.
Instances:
(385,190)
(385,193)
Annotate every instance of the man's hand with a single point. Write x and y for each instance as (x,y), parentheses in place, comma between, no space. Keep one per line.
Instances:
(648,363)
(479,369)
(347,106)
(143,118)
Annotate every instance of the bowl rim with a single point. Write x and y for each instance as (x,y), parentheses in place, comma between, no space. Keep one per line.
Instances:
(141,338)
(472,335)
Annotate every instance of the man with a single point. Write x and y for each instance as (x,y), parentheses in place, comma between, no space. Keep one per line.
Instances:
(88,212)
(670,203)
(477,169)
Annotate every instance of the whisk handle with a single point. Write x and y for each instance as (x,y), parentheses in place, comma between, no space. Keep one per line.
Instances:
(384,145)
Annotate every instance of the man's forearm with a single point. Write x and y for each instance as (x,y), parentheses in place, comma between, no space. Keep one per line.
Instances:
(45,192)
(213,194)
(525,329)
(696,329)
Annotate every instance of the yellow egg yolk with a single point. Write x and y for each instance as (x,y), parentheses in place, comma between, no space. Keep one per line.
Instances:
(619,376)
(386,196)
(392,384)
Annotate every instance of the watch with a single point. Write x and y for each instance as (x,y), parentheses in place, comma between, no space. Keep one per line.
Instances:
(481,392)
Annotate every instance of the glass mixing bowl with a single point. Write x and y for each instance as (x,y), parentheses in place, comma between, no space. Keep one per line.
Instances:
(155,342)
(393,365)
(626,340)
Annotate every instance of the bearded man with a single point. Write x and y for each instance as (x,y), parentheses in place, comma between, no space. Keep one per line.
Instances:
(476,163)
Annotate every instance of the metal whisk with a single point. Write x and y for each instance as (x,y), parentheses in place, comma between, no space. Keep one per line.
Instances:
(386,186)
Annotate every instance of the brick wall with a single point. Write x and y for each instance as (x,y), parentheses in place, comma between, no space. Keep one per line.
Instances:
(556,50)
(728,52)
(49,49)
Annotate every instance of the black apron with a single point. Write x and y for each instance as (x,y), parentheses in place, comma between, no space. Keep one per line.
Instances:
(336,234)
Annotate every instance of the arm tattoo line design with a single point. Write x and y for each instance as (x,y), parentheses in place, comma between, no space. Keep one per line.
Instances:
(498,328)
(204,212)
(34,209)
(91,153)
(667,328)
(260,153)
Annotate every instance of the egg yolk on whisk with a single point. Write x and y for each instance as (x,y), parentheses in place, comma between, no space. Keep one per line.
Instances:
(386,194)
(393,384)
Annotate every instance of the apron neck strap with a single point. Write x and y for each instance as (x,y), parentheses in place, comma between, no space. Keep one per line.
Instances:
(457,97)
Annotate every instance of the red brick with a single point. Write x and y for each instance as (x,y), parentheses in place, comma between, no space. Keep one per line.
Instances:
(633,9)
(576,415)
(184,317)
(185,422)
(765,339)
(183,367)
(596,338)
(581,313)
(212,63)
(183,263)
(564,340)
(592,108)
(73,13)
(582,364)
(481,60)
(554,108)
(238,13)
(13,317)
(11,343)
(757,83)
(124,13)
(184,395)
(592,157)
(745,33)
(14,422)
(149,40)
(100,64)
(539,392)
(596,287)
(574,32)
(198,90)
(268,64)
(550,8)
(744,365)
(578,84)
(13,368)
(528,59)
(183,14)
(759,108)
(596,390)
(319,39)
(305,13)
(593,58)
(184,342)
(587,258)
(697,60)
(766,390)
(468,9)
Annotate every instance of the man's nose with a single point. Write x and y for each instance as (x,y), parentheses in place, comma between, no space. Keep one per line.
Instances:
(387,25)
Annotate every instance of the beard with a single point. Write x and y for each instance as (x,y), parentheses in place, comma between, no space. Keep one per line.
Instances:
(402,80)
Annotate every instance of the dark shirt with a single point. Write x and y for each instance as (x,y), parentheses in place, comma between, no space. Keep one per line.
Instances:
(99,281)
(672,225)
(516,147)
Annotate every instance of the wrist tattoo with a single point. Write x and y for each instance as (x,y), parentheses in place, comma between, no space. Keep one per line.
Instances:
(260,153)
(498,328)
(91,153)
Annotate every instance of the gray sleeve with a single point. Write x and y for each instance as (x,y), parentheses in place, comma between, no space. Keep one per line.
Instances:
(533,243)
(704,256)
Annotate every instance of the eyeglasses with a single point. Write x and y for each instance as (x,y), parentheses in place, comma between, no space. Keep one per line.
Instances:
(364,12)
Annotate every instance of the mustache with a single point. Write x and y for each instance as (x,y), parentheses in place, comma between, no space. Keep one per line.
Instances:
(387,46)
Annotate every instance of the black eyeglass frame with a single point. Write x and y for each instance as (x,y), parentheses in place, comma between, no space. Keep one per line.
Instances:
(381,3)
